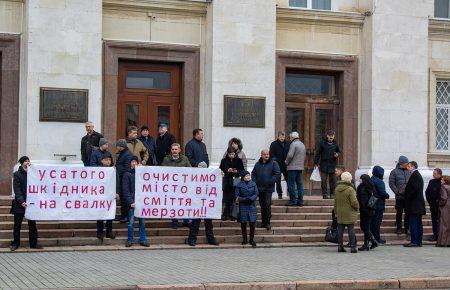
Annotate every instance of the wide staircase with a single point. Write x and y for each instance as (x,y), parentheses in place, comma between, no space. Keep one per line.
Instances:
(291,226)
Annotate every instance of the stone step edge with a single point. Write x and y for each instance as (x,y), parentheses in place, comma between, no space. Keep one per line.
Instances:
(402,283)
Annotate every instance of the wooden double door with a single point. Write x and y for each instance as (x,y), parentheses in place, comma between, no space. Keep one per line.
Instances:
(312,121)
(149,93)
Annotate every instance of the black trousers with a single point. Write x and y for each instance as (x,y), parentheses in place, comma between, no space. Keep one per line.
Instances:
(434,210)
(195,226)
(32,230)
(100,226)
(400,208)
(278,183)
(365,219)
(331,178)
(228,200)
(124,207)
(265,201)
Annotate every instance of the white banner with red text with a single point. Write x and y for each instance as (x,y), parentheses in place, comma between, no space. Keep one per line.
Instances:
(178,192)
(58,192)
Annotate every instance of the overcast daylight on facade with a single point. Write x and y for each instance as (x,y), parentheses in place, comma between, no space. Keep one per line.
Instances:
(376,72)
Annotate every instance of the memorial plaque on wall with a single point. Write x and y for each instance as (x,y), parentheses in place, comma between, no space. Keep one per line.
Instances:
(63,105)
(242,111)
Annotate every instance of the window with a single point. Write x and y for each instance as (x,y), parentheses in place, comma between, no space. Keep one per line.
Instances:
(442,114)
(309,84)
(442,8)
(147,80)
(311,4)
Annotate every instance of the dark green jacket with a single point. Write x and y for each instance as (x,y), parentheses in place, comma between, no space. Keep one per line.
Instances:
(346,204)
(183,161)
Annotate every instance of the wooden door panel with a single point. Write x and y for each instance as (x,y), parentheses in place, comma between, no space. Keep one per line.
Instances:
(132,112)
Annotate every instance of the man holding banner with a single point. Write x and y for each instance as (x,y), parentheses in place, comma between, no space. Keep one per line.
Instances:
(19,204)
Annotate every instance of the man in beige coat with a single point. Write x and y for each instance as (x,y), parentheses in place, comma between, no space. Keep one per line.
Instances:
(295,164)
(136,146)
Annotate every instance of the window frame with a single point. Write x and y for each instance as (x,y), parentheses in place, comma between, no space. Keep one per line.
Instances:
(448,12)
(436,76)
(334,6)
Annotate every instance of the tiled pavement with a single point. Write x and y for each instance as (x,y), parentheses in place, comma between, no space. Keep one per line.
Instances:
(121,268)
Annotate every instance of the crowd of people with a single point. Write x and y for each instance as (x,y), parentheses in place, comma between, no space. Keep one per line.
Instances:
(241,188)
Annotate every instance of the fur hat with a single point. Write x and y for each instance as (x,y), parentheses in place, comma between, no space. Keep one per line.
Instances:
(346,176)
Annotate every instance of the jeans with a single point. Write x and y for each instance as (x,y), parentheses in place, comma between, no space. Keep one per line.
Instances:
(400,208)
(434,219)
(142,234)
(195,226)
(175,221)
(265,201)
(32,230)
(351,234)
(295,176)
(416,228)
(376,224)
(331,177)
(100,225)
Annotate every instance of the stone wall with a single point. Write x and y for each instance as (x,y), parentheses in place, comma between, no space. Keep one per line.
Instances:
(11,13)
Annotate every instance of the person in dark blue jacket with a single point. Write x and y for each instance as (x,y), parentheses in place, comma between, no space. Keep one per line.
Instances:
(99,153)
(128,189)
(246,195)
(106,162)
(122,166)
(150,144)
(382,195)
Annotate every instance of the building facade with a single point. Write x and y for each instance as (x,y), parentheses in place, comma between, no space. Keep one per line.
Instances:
(377,72)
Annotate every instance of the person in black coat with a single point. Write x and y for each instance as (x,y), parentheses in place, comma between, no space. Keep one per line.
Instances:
(325,157)
(122,166)
(231,166)
(195,149)
(381,194)
(432,194)
(150,144)
(279,150)
(89,143)
(99,154)
(415,205)
(265,174)
(105,162)
(19,204)
(364,192)
(164,143)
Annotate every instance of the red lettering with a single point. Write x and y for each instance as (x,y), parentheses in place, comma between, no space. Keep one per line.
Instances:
(41,175)
(145,212)
(52,173)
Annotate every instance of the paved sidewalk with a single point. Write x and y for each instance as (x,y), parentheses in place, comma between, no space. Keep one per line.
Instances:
(141,267)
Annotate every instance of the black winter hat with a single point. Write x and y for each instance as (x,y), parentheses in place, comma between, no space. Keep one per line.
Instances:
(134,158)
(23,159)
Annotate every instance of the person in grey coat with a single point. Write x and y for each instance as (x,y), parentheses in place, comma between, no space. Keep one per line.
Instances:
(295,164)
(397,182)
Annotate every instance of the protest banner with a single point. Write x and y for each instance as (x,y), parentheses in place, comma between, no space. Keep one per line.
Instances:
(178,192)
(57,192)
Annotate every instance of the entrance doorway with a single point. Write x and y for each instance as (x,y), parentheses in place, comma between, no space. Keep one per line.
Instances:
(312,108)
(149,93)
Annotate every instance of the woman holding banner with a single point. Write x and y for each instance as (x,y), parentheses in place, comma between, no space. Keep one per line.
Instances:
(231,166)
(246,195)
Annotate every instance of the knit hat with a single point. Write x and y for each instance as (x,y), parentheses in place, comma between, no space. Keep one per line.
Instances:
(244,173)
(403,159)
(134,158)
(230,149)
(203,165)
(346,176)
(121,143)
(23,159)
(102,142)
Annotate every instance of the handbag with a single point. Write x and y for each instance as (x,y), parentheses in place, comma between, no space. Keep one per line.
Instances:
(236,181)
(235,211)
(315,175)
(372,203)
(331,235)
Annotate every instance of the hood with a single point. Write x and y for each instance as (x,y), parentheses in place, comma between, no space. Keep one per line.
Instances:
(378,171)
(237,141)
(342,185)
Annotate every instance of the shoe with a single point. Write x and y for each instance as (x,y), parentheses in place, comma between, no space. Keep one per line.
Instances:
(111,235)
(129,244)
(191,243)
(232,219)
(410,245)
(291,204)
(324,196)
(100,237)
(13,248)
(381,241)
(348,245)
(432,239)
(213,242)
(353,250)
(365,247)
(145,244)
(268,227)
(37,247)
(174,226)
(399,231)
(123,220)
(252,242)
(262,226)
(244,242)
(186,225)
(300,204)
(374,244)
(341,249)
(331,196)
(280,196)
(420,244)
(224,218)
(118,218)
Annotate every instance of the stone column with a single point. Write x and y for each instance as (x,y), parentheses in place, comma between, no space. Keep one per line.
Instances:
(240,61)
(62,48)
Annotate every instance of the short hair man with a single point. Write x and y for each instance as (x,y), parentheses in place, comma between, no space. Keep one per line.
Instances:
(415,205)
(163,142)
(325,157)
(278,151)
(295,164)
(150,144)
(432,193)
(398,178)
(265,174)
(135,146)
(89,143)
(195,149)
